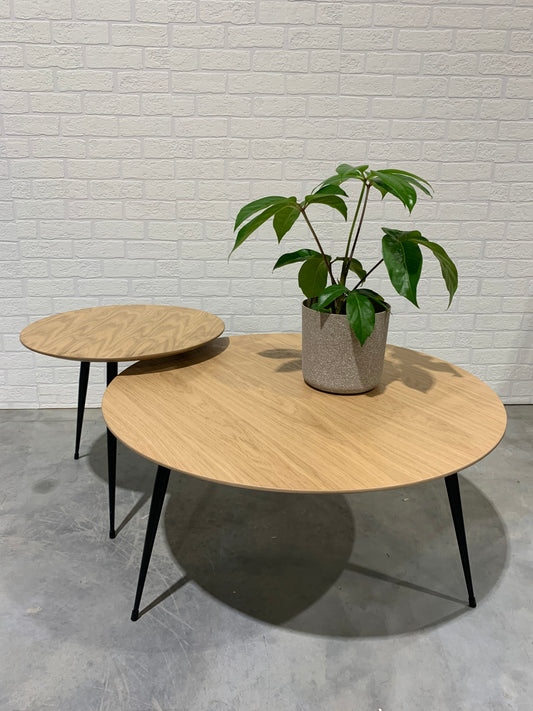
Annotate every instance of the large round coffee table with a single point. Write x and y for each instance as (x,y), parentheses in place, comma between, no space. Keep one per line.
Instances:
(238,412)
(112,334)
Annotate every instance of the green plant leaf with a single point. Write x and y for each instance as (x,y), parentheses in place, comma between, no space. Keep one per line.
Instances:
(331,190)
(284,220)
(313,276)
(403,260)
(415,179)
(329,294)
(257,221)
(253,207)
(332,200)
(357,268)
(375,297)
(292,257)
(361,315)
(447,267)
(394,185)
(346,172)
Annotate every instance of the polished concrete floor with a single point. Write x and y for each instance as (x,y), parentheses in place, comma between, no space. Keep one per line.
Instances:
(258,601)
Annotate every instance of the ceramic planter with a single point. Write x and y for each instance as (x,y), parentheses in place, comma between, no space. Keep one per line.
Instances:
(333,359)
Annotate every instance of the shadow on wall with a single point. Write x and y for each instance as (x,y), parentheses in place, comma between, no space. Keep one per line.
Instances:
(361,565)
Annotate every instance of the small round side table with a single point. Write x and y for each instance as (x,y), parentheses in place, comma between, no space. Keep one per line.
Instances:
(112,334)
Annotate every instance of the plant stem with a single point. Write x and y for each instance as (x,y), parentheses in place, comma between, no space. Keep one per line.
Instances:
(368,273)
(360,223)
(345,264)
(326,260)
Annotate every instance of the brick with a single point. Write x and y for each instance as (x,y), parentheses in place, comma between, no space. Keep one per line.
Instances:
(359,15)
(141,126)
(113,57)
(392,63)
(421,86)
(115,189)
(25,31)
(503,109)
(202,127)
(247,83)
(509,17)
(27,79)
(363,85)
(84,80)
(146,169)
(519,88)
(80,32)
(111,104)
(51,189)
(189,82)
(139,35)
(89,126)
(55,103)
(152,11)
(111,10)
(90,210)
(367,39)
(401,16)
(280,12)
(114,148)
(444,64)
(314,38)
(521,42)
(254,37)
(14,103)
(201,36)
(266,60)
(232,60)
(474,87)
(182,10)
(168,148)
(11,56)
(480,41)
(455,17)
(172,58)
(43,9)
(151,81)
(220,106)
(506,64)
(238,12)
(425,40)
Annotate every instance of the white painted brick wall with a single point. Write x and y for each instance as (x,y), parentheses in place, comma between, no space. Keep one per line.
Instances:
(132,132)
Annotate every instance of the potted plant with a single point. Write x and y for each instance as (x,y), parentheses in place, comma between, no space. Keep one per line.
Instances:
(344,327)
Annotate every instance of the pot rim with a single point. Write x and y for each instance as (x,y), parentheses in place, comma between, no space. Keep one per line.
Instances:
(378,313)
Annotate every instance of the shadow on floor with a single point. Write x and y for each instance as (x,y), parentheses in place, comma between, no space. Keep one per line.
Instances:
(358,565)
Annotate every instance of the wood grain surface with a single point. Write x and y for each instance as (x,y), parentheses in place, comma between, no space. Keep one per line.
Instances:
(118,333)
(237,411)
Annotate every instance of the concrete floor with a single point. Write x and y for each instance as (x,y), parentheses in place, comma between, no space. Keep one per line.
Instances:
(258,601)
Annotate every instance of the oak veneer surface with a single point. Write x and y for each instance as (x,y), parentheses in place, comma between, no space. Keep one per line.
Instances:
(237,411)
(123,332)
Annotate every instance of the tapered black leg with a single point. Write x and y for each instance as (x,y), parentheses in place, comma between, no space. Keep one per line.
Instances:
(112,369)
(82,394)
(454,496)
(158,497)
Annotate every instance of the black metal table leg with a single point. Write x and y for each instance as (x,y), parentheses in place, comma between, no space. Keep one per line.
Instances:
(82,394)
(454,497)
(112,370)
(158,497)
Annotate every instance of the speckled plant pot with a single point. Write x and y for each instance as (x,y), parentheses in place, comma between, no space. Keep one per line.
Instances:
(333,359)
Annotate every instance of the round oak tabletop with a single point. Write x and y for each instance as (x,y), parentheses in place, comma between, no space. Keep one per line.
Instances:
(123,332)
(238,412)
